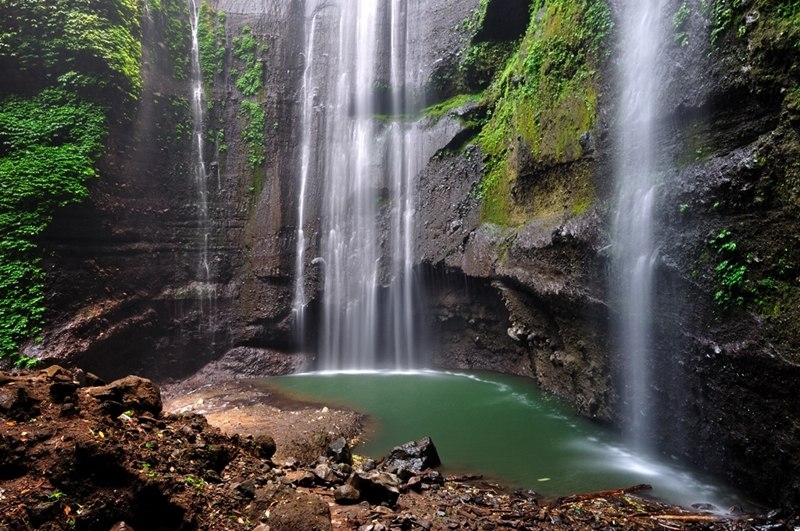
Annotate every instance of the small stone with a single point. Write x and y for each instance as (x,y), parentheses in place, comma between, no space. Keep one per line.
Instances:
(339,451)
(325,474)
(247,489)
(212,476)
(120,526)
(264,446)
(346,495)
(79,377)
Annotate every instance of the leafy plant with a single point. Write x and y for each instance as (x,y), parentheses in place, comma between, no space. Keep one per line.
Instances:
(723,14)
(48,144)
(679,20)
(197,483)
(55,495)
(733,286)
(211,41)
(101,38)
(253,133)
(245,48)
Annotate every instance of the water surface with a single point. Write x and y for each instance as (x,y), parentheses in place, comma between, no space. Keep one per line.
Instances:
(503,427)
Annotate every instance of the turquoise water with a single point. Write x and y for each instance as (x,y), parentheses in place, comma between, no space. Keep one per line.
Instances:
(500,426)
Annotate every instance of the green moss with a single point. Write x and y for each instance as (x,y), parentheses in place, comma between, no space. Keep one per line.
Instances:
(442,109)
(543,101)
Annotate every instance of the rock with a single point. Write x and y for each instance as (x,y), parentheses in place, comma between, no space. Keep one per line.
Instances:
(17,404)
(346,495)
(120,526)
(264,446)
(132,392)
(325,474)
(247,489)
(376,487)
(56,372)
(412,457)
(303,478)
(339,451)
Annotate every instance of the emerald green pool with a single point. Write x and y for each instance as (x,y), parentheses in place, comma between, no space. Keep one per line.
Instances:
(501,426)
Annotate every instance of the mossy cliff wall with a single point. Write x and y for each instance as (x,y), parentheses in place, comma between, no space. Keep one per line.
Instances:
(522,199)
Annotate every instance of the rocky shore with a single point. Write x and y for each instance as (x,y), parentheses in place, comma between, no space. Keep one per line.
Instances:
(78,454)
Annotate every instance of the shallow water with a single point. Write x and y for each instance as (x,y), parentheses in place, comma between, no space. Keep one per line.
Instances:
(503,427)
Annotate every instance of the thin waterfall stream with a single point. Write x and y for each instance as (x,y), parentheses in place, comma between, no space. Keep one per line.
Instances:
(632,227)
(198,164)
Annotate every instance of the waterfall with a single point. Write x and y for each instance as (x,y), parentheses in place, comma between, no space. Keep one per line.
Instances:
(309,91)
(198,165)
(364,151)
(637,191)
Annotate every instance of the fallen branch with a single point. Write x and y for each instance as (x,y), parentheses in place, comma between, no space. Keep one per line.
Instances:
(614,493)
(689,517)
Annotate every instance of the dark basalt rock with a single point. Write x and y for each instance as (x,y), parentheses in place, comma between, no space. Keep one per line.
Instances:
(412,458)
(339,451)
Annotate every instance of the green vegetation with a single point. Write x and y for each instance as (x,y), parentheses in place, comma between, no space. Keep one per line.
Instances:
(442,109)
(197,483)
(543,101)
(49,144)
(246,49)
(733,285)
(253,133)
(211,41)
(59,59)
(174,18)
(96,43)
(724,14)
(679,21)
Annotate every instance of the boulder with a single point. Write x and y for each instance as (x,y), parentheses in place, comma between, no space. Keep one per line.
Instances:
(132,392)
(376,487)
(412,458)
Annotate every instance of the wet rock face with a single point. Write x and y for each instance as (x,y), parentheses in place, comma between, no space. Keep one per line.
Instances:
(126,293)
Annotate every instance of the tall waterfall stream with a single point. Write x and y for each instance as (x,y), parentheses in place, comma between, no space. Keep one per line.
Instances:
(358,89)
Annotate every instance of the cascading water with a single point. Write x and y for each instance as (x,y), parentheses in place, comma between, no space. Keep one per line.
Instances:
(635,252)
(309,91)
(366,157)
(198,164)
